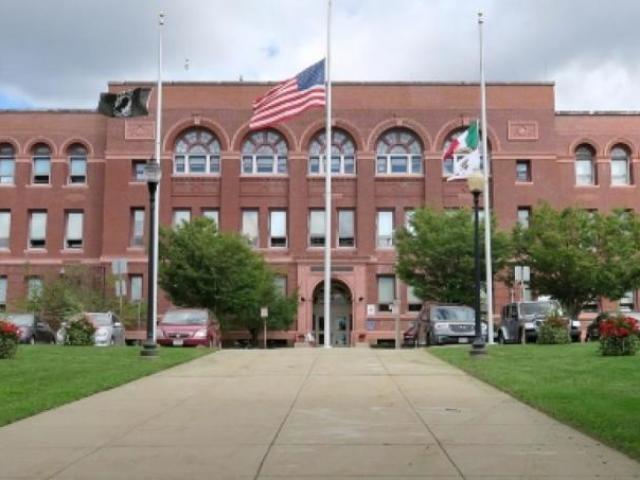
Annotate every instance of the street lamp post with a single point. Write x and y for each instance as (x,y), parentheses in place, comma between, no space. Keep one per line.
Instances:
(152,176)
(476,184)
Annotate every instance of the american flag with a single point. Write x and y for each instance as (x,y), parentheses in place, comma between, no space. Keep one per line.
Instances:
(291,97)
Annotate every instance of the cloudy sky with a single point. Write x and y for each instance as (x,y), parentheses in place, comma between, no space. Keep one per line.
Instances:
(62,53)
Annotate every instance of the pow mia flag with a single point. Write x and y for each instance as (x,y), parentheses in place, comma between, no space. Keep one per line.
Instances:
(130,103)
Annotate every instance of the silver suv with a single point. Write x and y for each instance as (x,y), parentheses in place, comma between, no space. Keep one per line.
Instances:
(521,321)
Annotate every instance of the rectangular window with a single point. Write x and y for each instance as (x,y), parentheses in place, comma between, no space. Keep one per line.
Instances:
(73,236)
(627,302)
(523,171)
(584,172)
(278,228)
(3,293)
(41,170)
(137,170)
(77,170)
(408,218)
(386,292)
(179,165)
(523,216)
(5,228)
(385,229)
(250,226)
(137,227)
(346,228)
(280,281)
(316,228)
(34,287)
(522,277)
(181,216)
(197,164)
(414,303)
(620,174)
(7,170)
(135,282)
(37,229)
(399,164)
(211,214)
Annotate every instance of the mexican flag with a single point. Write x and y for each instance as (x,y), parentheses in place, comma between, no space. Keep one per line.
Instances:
(466,142)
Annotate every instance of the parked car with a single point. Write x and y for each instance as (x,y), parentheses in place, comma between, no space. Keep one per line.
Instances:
(188,327)
(32,328)
(523,319)
(439,323)
(593,330)
(109,328)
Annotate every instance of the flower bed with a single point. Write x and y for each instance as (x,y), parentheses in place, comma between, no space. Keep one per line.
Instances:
(619,336)
(9,336)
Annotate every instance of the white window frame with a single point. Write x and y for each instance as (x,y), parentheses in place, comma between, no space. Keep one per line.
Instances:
(4,287)
(36,242)
(320,213)
(34,286)
(212,164)
(616,158)
(8,159)
(135,175)
(71,243)
(340,160)
(5,229)
(254,241)
(282,241)
(276,162)
(383,240)
(134,279)
(414,304)
(385,306)
(40,158)
(411,159)
(180,216)
(527,164)
(344,240)
(280,282)
(212,214)
(70,178)
(137,238)
(523,220)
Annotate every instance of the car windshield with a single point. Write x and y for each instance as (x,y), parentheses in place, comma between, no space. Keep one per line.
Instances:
(538,308)
(452,314)
(185,317)
(99,319)
(24,320)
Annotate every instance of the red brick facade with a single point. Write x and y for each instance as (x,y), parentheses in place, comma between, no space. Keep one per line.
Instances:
(523,126)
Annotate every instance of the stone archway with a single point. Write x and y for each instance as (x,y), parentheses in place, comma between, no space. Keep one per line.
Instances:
(341,314)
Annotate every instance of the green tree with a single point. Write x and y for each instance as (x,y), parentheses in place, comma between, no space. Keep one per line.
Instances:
(436,254)
(201,267)
(576,256)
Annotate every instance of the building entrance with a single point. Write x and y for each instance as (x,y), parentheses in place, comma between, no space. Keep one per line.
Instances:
(341,314)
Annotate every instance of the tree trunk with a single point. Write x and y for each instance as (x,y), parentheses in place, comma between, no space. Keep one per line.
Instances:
(254,336)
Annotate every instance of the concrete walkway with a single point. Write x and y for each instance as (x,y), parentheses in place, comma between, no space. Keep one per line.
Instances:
(304,414)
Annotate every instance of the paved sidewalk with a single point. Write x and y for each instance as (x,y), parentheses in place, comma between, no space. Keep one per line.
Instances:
(304,414)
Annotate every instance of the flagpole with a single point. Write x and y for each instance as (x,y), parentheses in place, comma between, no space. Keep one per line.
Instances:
(327,189)
(487,167)
(156,210)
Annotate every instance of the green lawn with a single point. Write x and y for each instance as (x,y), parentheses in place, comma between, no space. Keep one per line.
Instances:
(47,376)
(573,383)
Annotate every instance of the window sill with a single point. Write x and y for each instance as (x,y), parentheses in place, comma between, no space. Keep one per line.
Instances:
(624,185)
(137,182)
(264,175)
(399,175)
(520,182)
(271,247)
(587,186)
(38,185)
(76,185)
(347,248)
(135,249)
(72,250)
(7,185)
(391,248)
(195,175)
(320,176)
(35,250)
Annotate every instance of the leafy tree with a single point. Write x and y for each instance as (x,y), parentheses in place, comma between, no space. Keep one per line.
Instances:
(201,267)
(577,256)
(436,254)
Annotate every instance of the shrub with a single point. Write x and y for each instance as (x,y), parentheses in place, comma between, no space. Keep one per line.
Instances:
(9,336)
(619,336)
(80,332)
(554,330)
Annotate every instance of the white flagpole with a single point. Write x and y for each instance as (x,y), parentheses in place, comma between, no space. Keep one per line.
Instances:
(487,167)
(156,210)
(327,188)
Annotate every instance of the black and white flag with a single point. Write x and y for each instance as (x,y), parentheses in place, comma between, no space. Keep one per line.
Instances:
(131,103)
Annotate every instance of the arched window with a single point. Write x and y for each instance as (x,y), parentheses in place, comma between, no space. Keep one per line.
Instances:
(585,172)
(398,151)
(41,164)
(448,164)
(7,163)
(620,166)
(197,152)
(343,154)
(264,152)
(77,164)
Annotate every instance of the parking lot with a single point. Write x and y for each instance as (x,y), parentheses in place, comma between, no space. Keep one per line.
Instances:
(304,413)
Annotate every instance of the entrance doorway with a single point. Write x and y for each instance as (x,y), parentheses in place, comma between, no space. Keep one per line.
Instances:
(341,314)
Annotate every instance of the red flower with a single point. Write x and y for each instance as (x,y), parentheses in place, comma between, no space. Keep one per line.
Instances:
(9,330)
(619,327)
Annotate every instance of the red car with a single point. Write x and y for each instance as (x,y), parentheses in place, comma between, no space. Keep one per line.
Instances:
(188,327)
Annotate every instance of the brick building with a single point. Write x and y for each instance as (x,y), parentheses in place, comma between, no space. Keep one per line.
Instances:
(71,188)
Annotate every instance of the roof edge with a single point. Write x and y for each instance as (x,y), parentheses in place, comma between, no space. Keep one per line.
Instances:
(236,83)
(596,113)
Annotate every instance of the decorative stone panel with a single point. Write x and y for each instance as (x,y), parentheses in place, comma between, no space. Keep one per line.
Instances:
(523,130)
(139,130)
